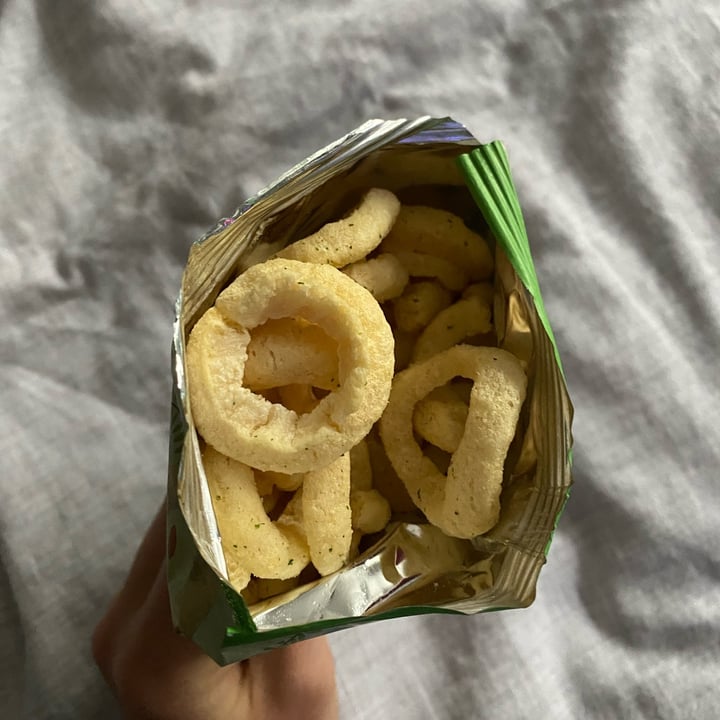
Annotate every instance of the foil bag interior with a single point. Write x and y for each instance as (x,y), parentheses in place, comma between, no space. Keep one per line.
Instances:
(414,568)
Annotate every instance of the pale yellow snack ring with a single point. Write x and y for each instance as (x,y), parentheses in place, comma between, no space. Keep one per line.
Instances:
(451,326)
(326,515)
(424,265)
(419,304)
(352,238)
(265,435)
(438,232)
(465,502)
(249,538)
(384,276)
(370,511)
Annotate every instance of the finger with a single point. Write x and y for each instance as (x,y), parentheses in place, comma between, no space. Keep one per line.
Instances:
(148,559)
(137,586)
(170,671)
(297,681)
(159,673)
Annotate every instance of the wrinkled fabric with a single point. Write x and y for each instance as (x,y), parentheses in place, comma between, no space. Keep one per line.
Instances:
(128,128)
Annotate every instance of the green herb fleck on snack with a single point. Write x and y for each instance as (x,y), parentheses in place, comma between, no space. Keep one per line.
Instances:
(290,561)
(258,525)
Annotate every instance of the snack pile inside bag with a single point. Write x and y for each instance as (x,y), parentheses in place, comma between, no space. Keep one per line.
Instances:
(362,387)
(351,376)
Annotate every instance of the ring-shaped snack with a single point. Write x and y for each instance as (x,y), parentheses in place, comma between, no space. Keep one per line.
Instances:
(463,319)
(326,515)
(352,238)
(443,234)
(419,304)
(250,539)
(247,427)
(384,276)
(370,511)
(424,265)
(465,502)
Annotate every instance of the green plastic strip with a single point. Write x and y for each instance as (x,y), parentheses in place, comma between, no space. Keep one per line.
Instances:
(487,175)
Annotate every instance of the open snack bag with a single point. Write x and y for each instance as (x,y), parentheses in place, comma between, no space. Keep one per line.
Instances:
(369,414)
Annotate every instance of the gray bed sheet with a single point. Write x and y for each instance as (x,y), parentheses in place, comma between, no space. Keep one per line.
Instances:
(128,128)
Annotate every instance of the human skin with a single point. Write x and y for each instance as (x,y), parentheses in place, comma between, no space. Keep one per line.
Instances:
(157,674)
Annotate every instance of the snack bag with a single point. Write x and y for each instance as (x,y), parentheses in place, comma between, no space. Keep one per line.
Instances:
(369,415)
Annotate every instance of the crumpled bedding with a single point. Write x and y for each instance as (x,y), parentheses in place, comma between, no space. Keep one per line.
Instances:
(128,128)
